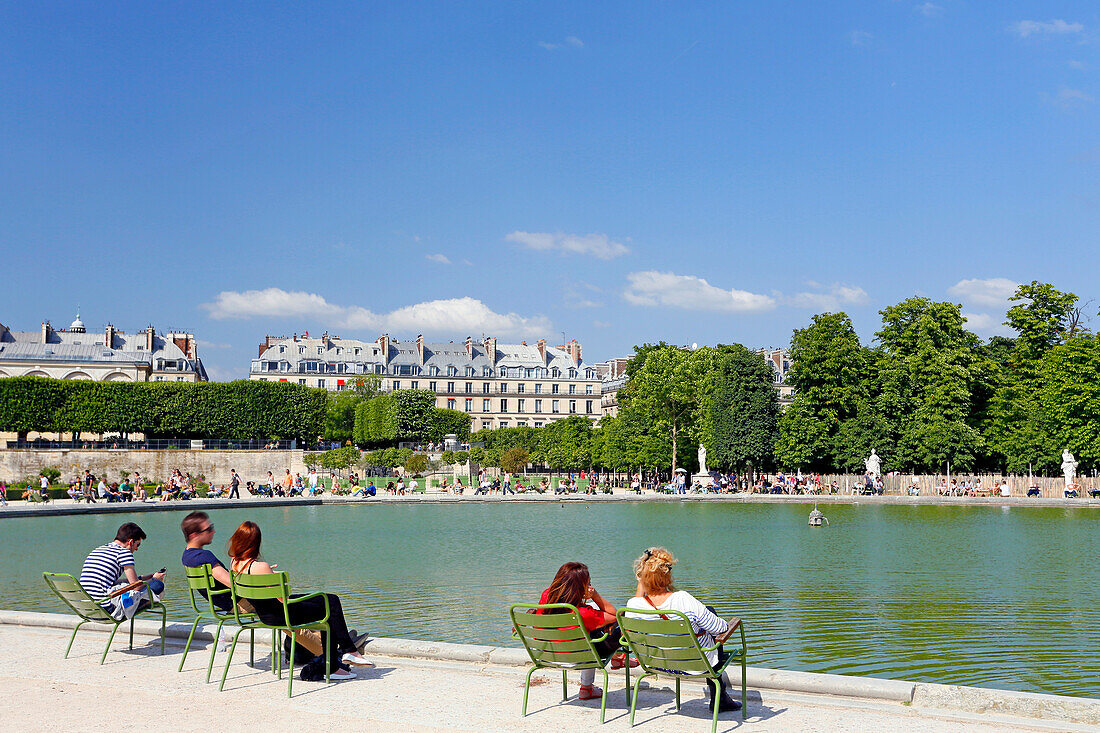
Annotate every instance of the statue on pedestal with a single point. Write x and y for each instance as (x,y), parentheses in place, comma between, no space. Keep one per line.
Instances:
(873,464)
(1069,467)
(702,458)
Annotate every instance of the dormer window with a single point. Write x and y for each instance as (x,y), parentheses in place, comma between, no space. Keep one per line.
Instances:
(320,349)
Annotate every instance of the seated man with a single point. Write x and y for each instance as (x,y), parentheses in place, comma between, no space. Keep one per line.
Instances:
(126,491)
(1034,491)
(111,566)
(75,493)
(198,532)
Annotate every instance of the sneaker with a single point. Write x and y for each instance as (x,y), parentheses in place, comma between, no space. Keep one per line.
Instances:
(342,674)
(356,659)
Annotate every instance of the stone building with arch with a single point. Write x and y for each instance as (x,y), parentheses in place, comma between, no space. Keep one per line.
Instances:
(109,355)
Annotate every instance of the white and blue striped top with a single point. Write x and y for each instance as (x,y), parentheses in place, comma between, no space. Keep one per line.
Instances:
(103,569)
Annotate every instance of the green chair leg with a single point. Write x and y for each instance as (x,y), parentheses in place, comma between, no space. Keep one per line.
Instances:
(108,647)
(564,685)
(214,650)
(328,655)
(526,689)
(163,628)
(252,647)
(73,638)
(290,675)
(744,693)
(132,630)
(229,659)
(717,698)
(677,693)
(634,697)
(603,697)
(187,646)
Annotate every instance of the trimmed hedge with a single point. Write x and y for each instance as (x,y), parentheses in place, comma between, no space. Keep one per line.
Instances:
(241,409)
(409,414)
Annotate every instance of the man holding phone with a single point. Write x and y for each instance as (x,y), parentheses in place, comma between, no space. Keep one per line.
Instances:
(110,567)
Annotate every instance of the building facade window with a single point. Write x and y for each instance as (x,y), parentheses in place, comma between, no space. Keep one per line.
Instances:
(485,387)
(588,407)
(572,389)
(396,384)
(485,405)
(469,405)
(588,389)
(414,384)
(469,387)
(554,388)
(538,389)
(538,405)
(450,404)
(572,407)
(554,406)
(504,405)
(521,405)
(519,388)
(451,387)
(433,386)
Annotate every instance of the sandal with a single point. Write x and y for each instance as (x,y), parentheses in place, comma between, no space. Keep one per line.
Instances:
(588,692)
(618,661)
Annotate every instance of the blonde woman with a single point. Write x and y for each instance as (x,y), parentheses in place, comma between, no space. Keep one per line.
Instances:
(655,591)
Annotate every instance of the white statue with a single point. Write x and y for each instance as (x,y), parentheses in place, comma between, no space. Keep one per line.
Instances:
(873,464)
(1069,466)
(702,458)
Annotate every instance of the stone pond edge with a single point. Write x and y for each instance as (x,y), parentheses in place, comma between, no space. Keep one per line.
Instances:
(1057,708)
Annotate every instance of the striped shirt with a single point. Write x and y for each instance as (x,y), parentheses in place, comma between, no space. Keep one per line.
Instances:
(103,569)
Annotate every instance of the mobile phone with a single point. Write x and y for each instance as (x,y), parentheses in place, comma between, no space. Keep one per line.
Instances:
(163,570)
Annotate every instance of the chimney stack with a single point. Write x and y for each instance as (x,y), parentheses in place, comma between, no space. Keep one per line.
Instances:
(542,350)
(150,338)
(470,347)
(420,347)
(45,336)
(491,349)
(109,336)
(574,351)
(384,344)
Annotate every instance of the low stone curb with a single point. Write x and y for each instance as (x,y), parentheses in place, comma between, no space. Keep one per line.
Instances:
(977,700)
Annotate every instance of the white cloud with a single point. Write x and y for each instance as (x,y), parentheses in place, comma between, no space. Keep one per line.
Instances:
(1069,99)
(440,258)
(596,245)
(212,345)
(601,324)
(992,292)
(691,293)
(859,38)
(1026,28)
(987,325)
(455,315)
(829,298)
(571,41)
(929,10)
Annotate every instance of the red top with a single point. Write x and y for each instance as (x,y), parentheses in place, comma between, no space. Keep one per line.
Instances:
(591,618)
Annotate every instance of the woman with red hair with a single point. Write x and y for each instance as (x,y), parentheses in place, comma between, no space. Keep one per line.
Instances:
(244,552)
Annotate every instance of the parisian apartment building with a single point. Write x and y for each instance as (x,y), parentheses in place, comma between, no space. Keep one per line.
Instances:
(499,385)
(107,355)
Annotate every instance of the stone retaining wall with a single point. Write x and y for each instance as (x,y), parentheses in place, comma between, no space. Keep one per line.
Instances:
(154,465)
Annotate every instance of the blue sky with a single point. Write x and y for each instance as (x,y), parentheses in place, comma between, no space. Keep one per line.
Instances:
(619,172)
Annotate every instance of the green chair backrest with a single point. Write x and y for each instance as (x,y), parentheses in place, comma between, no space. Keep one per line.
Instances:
(662,645)
(73,595)
(271,586)
(554,635)
(200,581)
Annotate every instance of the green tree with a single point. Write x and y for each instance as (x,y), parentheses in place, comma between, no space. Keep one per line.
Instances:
(417,464)
(1040,318)
(664,392)
(514,460)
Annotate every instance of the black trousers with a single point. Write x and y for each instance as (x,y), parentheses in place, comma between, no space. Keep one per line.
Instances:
(235,491)
(313,609)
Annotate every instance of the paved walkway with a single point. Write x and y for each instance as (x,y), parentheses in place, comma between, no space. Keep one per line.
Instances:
(139,689)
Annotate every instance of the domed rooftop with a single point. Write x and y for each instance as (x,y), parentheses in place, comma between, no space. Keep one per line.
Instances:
(77,325)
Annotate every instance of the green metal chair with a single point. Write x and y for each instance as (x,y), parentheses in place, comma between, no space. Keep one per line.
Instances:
(664,644)
(555,638)
(274,586)
(73,595)
(200,581)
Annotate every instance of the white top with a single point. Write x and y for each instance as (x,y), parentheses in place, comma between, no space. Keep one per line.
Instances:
(702,620)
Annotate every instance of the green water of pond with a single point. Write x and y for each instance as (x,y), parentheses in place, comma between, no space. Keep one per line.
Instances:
(987,596)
